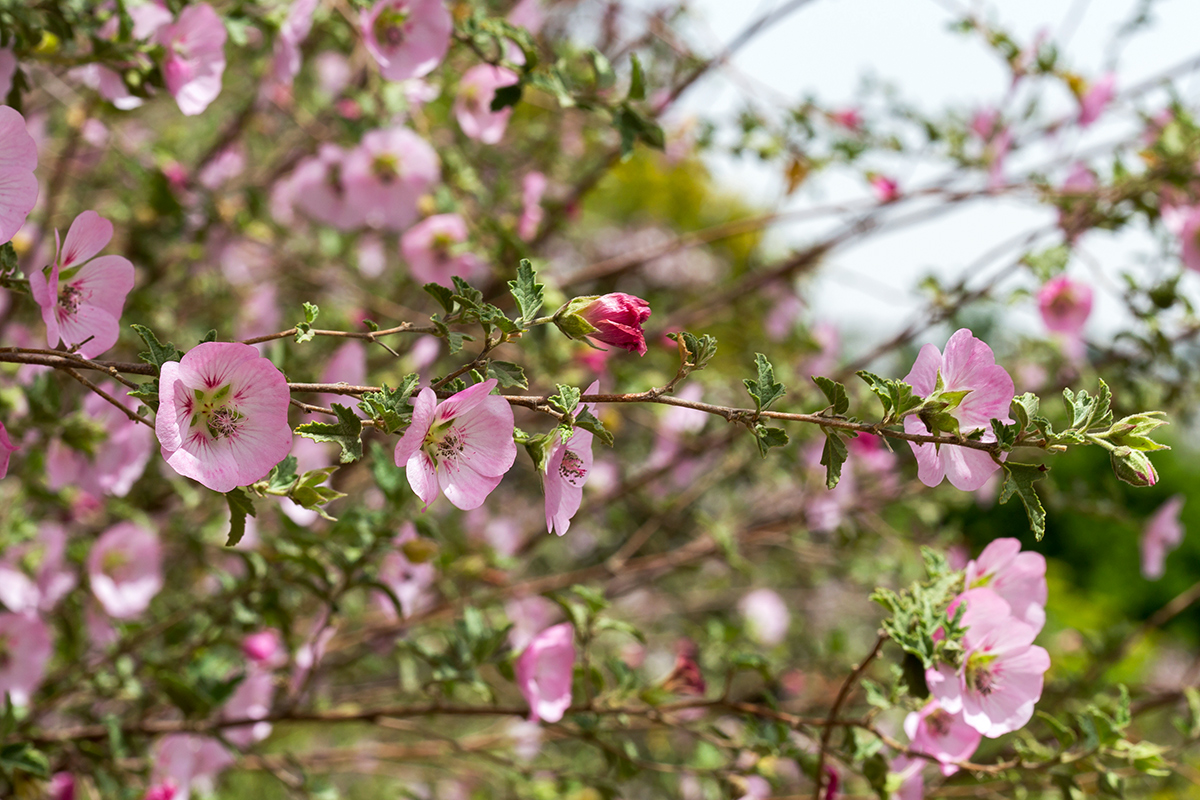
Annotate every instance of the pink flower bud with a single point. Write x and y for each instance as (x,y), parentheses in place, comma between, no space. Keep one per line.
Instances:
(261,647)
(616,319)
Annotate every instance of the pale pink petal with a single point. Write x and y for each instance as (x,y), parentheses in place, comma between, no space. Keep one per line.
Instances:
(545,670)
(95,326)
(89,234)
(412,49)
(422,477)
(414,435)
(26,647)
(923,375)
(464,487)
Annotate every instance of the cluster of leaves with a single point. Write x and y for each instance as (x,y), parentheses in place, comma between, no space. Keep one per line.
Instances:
(918,621)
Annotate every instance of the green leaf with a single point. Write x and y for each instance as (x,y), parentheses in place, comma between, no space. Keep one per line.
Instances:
(1064,734)
(565,399)
(833,456)
(156,352)
(444,296)
(282,475)
(1025,407)
(211,336)
(507,374)
(634,126)
(527,292)
(637,79)
(834,392)
(23,757)
(346,432)
(1087,411)
(1019,480)
(765,390)
(769,437)
(8,259)
(390,407)
(304,329)
(694,352)
(1048,263)
(588,421)
(241,505)
(455,341)
(507,96)
(606,78)
(897,397)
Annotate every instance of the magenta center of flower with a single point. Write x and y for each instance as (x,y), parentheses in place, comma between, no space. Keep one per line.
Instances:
(572,469)
(214,412)
(981,674)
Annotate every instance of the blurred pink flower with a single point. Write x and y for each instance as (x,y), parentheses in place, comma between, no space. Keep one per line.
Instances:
(912,782)
(1018,577)
(285,62)
(945,736)
(347,365)
(25,647)
(53,581)
(568,463)
(434,250)
(1162,534)
(85,306)
(387,174)
(263,647)
(116,462)
(108,84)
(189,762)
(1002,671)
(529,616)
(227,165)
(195,62)
(473,103)
(7,448)
(62,786)
(463,445)
(222,417)
(8,68)
(323,188)
(618,318)
(849,118)
(533,186)
(967,366)
(408,38)
(886,189)
(18,160)
(1184,222)
(161,791)
(1065,305)
(1096,99)
(250,700)
(148,18)
(767,617)
(125,569)
(545,671)
(410,582)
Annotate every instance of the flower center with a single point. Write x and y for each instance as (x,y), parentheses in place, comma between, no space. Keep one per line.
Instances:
(390,27)
(572,469)
(386,167)
(445,442)
(938,722)
(115,564)
(69,298)
(215,412)
(980,673)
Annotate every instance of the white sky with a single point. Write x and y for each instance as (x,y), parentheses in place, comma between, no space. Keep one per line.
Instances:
(826,48)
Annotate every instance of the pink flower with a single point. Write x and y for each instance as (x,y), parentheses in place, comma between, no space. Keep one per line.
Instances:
(1185,223)
(125,569)
(25,647)
(1065,305)
(463,445)
(945,736)
(1018,577)
(222,415)
(323,189)
(62,786)
(767,617)
(434,249)
(18,160)
(886,189)
(1096,99)
(1001,675)
(387,174)
(187,762)
(912,782)
(567,466)
(108,83)
(7,448)
(250,700)
(529,616)
(285,63)
(195,61)
(849,118)
(408,38)
(409,581)
(545,671)
(617,318)
(161,791)
(533,186)
(148,18)
(115,462)
(473,105)
(84,308)
(262,647)
(54,580)
(1163,534)
(8,68)
(967,366)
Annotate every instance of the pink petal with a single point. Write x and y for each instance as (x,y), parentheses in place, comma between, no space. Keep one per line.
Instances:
(414,435)
(464,487)
(89,321)
(923,375)
(104,283)
(89,234)
(422,477)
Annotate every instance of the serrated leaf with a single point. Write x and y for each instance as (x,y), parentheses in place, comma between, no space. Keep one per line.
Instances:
(455,341)
(587,420)
(241,505)
(346,432)
(282,475)
(566,399)
(444,296)
(1025,407)
(24,758)
(390,406)
(507,374)
(834,392)
(833,456)
(694,351)
(764,390)
(1064,734)
(156,352)
(769,437)
(527,292)
(1019,480)
(506,96)
(8,258)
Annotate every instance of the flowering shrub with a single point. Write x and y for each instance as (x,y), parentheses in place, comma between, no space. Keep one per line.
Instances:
(327,261)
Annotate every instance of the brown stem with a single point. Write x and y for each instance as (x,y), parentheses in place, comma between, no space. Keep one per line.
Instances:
(842,694)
